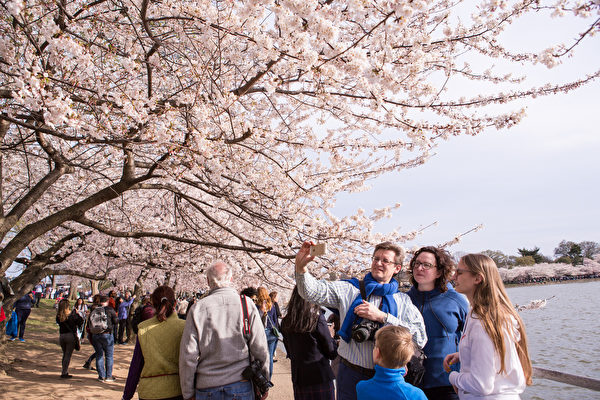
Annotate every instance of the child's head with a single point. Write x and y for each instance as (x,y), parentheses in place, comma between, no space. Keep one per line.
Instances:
(393,347)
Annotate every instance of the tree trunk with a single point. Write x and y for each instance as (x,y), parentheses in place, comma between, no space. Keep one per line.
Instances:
(73,293)
(94,286)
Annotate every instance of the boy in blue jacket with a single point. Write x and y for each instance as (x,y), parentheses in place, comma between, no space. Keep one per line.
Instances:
(393,350)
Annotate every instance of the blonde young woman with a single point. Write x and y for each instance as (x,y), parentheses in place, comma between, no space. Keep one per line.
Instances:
(494,362)
(268,314)
(68,324)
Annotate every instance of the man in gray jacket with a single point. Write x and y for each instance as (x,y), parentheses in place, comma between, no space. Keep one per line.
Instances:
(213,348)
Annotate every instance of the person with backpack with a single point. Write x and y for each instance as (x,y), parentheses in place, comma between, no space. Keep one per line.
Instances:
(102,320)
(95,303)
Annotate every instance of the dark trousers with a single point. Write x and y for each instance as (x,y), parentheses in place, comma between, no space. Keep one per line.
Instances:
(441,393)
(22,315)
(38,296)
(347,379)
(124,328)
(67,344)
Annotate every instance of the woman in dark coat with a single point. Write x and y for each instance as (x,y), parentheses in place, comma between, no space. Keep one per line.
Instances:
(68,323)
(310,346)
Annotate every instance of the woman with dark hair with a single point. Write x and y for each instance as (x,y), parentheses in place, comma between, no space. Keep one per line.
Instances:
(310,347)
(81,308)
(154,367)
(68,323)
(444,312)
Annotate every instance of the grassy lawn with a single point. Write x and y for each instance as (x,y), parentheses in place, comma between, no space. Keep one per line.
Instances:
(43,319)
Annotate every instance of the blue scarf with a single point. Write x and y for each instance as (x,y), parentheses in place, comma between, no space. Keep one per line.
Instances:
(388,304)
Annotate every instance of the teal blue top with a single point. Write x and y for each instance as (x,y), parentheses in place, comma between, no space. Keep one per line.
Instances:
(388,384)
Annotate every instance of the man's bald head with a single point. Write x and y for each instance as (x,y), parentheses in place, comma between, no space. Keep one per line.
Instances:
(219,275)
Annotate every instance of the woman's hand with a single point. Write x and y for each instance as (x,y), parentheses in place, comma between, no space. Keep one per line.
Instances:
(449,360)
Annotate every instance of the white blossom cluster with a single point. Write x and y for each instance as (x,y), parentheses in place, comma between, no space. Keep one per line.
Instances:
(168,134)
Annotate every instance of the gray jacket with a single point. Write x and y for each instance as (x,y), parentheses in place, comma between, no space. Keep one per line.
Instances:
(213,347)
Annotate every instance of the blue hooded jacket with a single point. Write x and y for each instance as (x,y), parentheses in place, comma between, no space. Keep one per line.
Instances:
(444,315)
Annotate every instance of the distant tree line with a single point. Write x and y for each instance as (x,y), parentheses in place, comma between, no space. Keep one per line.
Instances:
(566,252)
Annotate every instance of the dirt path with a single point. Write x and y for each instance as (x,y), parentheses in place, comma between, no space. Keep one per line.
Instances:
(34,367)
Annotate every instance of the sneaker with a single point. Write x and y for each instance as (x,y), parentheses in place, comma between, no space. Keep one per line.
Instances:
(87,365)
(12,339)
(66,376)
(110,379)
(100,379)
(21,340)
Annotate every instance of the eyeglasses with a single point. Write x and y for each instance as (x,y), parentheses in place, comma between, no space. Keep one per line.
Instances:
(424,265)
(383,261)
(460,271)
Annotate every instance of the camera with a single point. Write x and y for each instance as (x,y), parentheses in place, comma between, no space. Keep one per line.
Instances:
(364,330)
(253,373)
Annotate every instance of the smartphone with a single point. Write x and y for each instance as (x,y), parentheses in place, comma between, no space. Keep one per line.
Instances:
(318,249)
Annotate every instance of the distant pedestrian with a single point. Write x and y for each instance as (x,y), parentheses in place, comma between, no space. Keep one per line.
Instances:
(82,309)
(268,316)
(143,312)
(123,314)
(182,306)
(154,370)
(68,322)
(23,309)
(39,290)
(250,292)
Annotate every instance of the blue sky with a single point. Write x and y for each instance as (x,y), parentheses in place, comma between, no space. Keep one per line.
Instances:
(533,185)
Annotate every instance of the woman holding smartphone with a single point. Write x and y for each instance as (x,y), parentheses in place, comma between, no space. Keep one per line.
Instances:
(494,362)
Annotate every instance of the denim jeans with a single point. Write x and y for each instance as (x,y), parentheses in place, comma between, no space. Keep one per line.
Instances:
(22,315)
(347,379)
(272,343)
(234,391)
(104,344)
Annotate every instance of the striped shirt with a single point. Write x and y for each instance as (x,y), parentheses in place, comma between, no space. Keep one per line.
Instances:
(340,295)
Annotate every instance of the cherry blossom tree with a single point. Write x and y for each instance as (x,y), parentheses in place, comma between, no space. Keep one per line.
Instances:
(186,131)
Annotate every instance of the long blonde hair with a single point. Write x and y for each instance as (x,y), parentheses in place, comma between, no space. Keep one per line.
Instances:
(64,310)
(263,295)
(493,307)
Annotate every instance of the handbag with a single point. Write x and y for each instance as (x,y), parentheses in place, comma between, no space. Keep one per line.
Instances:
(77,343)
(416,367)
(274,329)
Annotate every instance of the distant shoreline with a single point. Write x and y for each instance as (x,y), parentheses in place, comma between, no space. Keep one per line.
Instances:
(551,282)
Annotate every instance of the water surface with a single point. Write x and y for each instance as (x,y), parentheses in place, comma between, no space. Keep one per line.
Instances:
(563,336)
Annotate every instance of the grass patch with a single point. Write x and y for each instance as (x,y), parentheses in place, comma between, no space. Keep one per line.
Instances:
(43,319)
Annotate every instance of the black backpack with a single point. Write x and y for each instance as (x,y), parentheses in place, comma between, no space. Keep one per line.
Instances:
(416,367)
